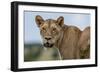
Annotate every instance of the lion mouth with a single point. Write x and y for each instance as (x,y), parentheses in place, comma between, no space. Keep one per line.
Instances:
(48,45)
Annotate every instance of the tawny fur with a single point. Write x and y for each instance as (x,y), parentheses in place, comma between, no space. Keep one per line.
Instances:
(68,42)
(84,43)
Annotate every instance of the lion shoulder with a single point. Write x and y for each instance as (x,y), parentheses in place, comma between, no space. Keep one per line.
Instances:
(69,41)
(71,30)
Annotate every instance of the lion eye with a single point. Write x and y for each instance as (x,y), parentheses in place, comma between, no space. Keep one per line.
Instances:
(54,29)
(43,29)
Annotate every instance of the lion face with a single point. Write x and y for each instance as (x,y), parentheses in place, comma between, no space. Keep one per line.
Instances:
(50,30)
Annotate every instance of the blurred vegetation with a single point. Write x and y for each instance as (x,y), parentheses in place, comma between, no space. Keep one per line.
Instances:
(36,52)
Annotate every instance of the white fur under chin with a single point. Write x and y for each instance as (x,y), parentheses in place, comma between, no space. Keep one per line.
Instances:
(45,49)
(59,54)
(48,49)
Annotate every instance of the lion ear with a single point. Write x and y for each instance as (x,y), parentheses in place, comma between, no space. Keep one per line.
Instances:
(60,21)
(39,20)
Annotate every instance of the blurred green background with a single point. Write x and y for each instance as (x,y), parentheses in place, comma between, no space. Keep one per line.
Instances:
(36,52)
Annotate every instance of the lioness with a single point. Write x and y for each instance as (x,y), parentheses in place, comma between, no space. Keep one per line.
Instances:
(55,34)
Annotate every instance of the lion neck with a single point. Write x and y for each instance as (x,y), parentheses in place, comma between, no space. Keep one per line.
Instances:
(60,40)
(59,43)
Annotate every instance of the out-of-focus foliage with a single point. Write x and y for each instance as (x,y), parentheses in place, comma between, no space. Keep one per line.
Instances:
(36,52)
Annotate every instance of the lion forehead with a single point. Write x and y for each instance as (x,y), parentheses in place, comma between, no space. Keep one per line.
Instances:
(49,24)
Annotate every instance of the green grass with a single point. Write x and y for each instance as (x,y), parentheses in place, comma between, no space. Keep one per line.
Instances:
(35,52)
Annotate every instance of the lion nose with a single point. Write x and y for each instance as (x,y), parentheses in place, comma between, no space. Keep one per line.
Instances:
(48,38)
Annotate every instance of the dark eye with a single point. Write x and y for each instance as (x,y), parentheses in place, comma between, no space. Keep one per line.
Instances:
(43,29)
(54,29)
